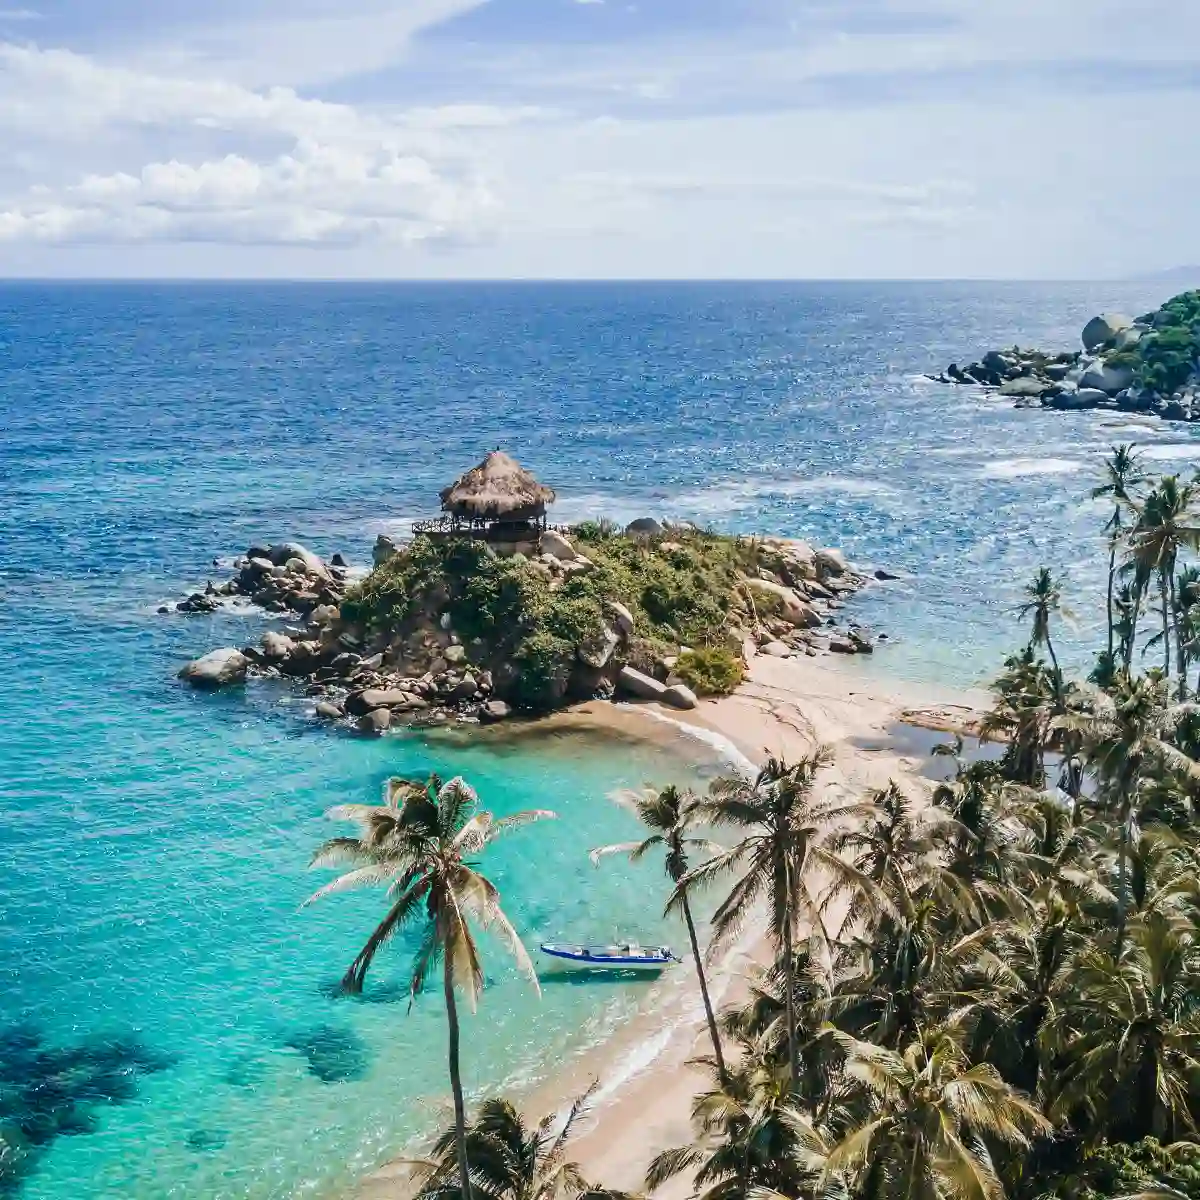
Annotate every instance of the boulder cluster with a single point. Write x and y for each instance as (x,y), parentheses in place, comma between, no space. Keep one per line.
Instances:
(419,670)
(1104,375)
(794,599)
(285,577)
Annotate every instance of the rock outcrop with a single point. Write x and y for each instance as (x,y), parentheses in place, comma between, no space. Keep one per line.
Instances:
(1103,329)
(282,578)
(1151,365)
(462,630)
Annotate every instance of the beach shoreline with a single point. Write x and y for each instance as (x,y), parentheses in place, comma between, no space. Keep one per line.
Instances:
(785,708)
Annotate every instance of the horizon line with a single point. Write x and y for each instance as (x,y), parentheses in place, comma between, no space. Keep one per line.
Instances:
(577,279)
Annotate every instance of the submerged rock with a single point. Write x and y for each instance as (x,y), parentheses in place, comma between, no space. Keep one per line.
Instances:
(334,1055)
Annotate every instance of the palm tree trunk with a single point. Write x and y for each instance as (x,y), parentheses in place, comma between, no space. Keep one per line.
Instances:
(1058,682)
(1112,571)
(1133,621)
(1166,612)
(1180,652)
(708,1009)
(789,969)
(460,1114)
(1122,860)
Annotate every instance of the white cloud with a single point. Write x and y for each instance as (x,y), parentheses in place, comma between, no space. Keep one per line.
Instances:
(317,195)
(344,176)
(872,137)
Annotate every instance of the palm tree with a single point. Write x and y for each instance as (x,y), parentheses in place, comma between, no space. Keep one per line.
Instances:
(1123,475)
(1017,977)
(1026,700)
(1043,600)
(1166,525)
(671,815)
(1127,1030)
(418,843)
(895,839)
(930,1119)
(510,1160)
(1125,741)
(751,1139)
(786,831)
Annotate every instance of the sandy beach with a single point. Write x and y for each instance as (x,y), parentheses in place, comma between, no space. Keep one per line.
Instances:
(785,708)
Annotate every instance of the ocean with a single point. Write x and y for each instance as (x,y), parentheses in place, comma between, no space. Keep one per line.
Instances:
(168,1019)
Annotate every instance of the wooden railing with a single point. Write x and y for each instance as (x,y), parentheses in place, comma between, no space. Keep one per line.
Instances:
(500,531)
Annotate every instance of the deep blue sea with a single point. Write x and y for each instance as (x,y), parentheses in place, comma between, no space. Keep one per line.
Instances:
(167,1021)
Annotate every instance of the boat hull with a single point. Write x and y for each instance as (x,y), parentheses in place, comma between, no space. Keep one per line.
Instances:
(595,956)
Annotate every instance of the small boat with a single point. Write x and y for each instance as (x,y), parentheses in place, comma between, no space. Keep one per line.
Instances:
(621,955)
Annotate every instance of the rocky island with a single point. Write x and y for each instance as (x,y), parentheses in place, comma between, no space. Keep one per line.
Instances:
(490,609)
(1148,365)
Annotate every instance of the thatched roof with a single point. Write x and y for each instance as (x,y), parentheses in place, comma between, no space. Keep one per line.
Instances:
(498,487)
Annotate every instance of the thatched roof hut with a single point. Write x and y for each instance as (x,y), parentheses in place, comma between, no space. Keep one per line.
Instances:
(499,489)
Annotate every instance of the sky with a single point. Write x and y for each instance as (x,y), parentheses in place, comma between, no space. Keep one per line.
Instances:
(599,138)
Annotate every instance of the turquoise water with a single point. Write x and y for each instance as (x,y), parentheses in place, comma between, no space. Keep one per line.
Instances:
(167,1026)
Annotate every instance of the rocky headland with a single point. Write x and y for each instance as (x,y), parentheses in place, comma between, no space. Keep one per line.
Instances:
(468,627)
(1148,365)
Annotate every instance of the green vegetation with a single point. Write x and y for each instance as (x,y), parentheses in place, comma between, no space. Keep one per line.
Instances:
(711,670)
(988,990)
(681,589)
(1129,1170)
(1166,358)
(417,843)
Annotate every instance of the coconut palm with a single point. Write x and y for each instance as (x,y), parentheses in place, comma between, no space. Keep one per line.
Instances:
(782,856)
(901,969)
(1126,740)
(1122,477)
(930,1121)
(671,815)
(510,1159)
(417,843)
(895,838)
(1027,697)
(1015,980)
(1167,524)
(1127,1034)
(752,1141)
(1043,599)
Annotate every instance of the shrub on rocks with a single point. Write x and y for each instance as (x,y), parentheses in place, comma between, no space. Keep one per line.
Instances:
(710,671)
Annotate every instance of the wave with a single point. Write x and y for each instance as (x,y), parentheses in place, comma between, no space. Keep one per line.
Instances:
(1023,468)
(716,741)
(1169,451)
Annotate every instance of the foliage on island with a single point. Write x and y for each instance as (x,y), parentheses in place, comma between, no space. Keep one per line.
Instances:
(1151,364)
(991,990)
(1169,355)
(681,589)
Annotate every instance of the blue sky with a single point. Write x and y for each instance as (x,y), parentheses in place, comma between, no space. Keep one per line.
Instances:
(598,138)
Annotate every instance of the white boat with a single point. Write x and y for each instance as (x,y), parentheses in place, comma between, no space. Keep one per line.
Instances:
(620,955)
